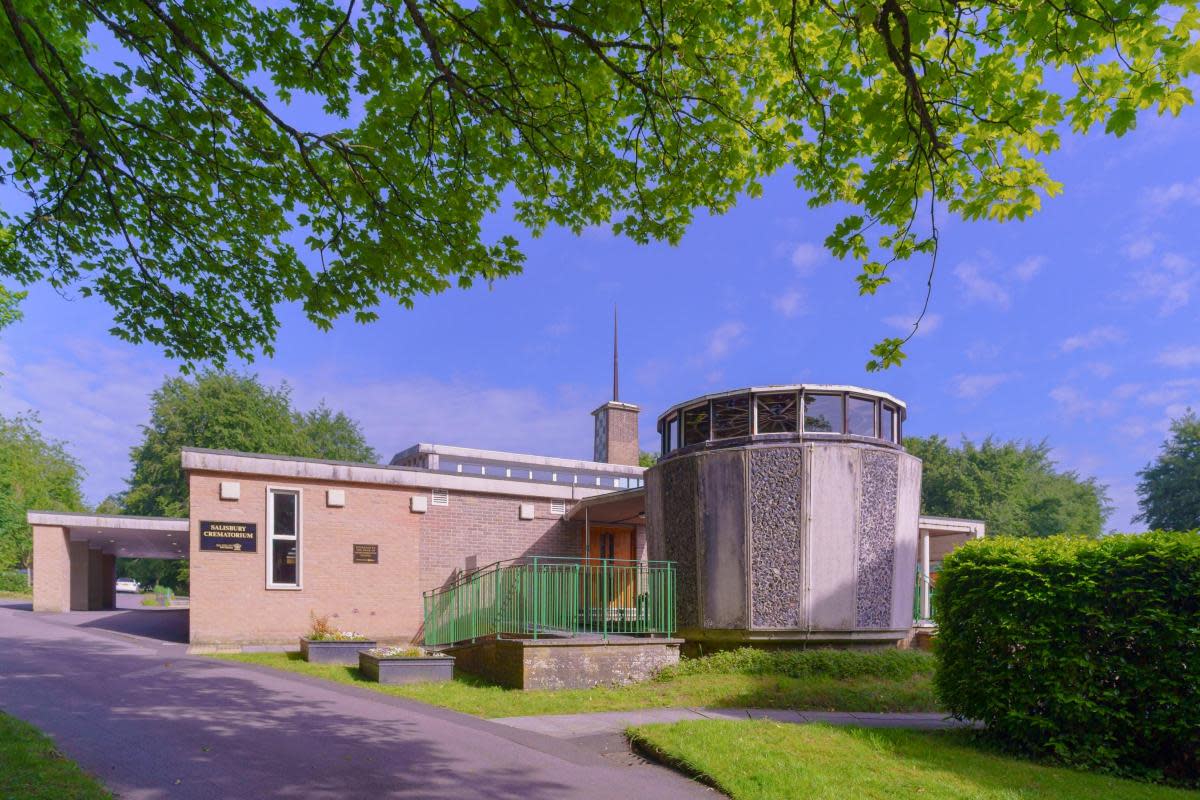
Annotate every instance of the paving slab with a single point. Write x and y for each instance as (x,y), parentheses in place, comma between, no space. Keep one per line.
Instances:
(153,723)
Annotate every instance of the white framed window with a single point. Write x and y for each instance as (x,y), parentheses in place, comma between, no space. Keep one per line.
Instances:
(284,526)
(440,497)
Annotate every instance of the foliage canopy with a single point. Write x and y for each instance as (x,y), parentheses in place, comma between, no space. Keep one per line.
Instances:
(226,411)
(1012,486)
(1169,487)
(35,473)
(171,173)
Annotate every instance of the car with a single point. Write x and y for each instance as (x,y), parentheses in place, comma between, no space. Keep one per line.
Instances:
(127,585)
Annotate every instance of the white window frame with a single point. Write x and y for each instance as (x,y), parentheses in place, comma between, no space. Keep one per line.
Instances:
(299,537)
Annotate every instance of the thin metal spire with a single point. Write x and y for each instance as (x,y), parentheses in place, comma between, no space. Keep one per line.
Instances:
(616,386)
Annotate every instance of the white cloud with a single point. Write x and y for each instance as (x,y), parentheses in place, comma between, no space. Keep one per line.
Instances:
(1170,282)
(806,255)
(1096,337)
(93,396)
(724,339)
(1099,368)
(1139,248)
(982,350)
(790,303)
(974,387)
(1075,403)
(978,287)
(398,412)
(1028,269)
(1180,357)
(1164,198)
(904,323)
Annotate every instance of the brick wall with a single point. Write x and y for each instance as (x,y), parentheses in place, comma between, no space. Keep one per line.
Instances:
(230,601)
(623,436)
(487,528)
(51,569)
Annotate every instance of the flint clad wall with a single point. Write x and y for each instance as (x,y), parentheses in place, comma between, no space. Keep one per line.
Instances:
(775,541)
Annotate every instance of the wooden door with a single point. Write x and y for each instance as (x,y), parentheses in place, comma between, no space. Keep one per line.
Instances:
(614,569)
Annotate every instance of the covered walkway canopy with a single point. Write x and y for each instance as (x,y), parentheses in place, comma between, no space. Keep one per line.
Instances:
(74,555)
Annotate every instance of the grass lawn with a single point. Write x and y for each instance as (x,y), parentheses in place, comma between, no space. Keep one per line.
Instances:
(32,769)
(762,759)
(15,595)
(717,681)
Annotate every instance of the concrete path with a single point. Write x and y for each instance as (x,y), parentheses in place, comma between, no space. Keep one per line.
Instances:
(154,723)
(575,726)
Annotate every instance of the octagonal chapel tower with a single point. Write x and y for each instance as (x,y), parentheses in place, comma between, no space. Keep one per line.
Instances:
(791,512)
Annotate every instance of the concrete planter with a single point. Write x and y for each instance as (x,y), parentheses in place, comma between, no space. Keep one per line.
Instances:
(417,669)
(331,652)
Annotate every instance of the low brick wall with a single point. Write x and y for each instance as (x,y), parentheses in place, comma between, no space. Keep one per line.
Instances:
(566,663)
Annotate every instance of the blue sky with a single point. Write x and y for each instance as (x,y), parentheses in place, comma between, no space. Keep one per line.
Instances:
(1078,326)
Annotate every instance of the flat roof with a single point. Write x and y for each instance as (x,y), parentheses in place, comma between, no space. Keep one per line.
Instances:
(231,461)
(501,457)
(123,535)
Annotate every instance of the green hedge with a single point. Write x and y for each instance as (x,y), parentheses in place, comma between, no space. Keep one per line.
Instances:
(13,582)
(828,663)
(1083,651)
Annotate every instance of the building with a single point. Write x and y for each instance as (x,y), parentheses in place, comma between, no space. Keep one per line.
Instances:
(780,526)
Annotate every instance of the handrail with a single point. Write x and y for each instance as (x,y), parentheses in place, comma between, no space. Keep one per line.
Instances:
(553,596)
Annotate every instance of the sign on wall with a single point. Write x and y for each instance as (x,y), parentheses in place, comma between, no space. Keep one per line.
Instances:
(229,537)
(366,554)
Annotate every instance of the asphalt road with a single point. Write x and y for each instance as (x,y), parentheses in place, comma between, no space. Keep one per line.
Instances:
(151,722)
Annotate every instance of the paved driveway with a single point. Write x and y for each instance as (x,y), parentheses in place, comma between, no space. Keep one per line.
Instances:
(151,723)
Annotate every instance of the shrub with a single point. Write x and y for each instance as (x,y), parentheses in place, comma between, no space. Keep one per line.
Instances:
(829,663)
(13,582)
(321,630)
(1082,651)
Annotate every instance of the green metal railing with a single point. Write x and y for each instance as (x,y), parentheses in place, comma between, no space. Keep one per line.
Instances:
(548,596)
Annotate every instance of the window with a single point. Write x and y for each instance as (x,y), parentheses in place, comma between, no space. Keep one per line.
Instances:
(731,417)
(776,413)
(672,433)
(860,414)
(695,425)
(440,497)
(283,541)
(887,423)
(823,413)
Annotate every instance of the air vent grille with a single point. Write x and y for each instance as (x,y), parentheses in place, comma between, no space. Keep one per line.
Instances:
(441,497)
(558,507)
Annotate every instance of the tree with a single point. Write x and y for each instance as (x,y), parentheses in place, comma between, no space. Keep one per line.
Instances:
(1012,486)
(647,459)
(227,411)
(1169,487)
(172,175)
(35,473)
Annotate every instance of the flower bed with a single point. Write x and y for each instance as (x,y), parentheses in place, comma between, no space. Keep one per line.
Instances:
(325,644)
(404,665)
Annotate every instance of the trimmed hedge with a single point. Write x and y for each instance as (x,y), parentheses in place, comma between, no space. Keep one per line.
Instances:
(825,662)
(1082,651)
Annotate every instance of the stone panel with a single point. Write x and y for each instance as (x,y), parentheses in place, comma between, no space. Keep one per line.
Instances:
(723,538)
(775,523)
(679,488)
(565,663)
(876,539)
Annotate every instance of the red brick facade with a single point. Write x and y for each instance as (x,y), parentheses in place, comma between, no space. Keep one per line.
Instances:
(232,604)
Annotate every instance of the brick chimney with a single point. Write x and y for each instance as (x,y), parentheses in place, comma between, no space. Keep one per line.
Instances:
(616,439)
